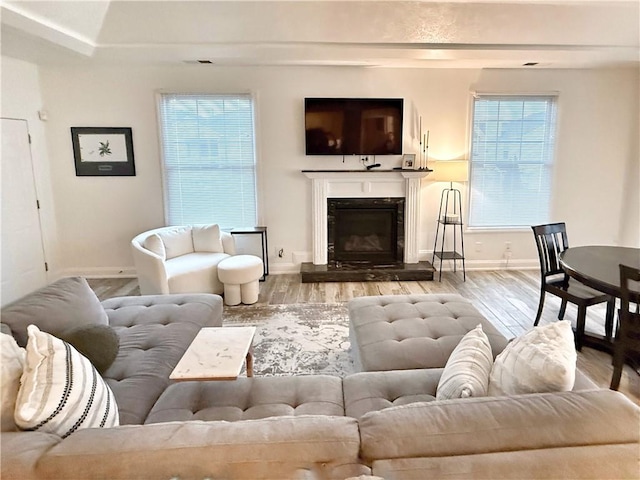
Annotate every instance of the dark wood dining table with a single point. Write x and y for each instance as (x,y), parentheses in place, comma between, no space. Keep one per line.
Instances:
(598,266)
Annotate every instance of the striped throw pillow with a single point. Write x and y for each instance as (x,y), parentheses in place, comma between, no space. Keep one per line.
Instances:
(60,390)
(466,373)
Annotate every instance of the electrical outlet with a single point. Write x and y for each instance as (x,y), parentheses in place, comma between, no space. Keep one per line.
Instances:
(478,246)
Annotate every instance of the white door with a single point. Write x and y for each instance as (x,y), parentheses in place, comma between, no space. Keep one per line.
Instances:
(23,262)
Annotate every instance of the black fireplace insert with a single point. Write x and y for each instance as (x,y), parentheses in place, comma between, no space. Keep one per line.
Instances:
(366,231)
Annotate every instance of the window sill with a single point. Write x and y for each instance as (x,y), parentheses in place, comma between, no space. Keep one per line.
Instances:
(473,230)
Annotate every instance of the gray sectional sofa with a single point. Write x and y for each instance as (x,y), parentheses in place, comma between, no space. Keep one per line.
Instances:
(382,423)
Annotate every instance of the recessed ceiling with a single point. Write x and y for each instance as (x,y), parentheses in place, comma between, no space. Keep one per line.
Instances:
(424,34)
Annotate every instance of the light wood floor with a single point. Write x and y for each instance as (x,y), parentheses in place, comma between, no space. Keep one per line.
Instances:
(508,298)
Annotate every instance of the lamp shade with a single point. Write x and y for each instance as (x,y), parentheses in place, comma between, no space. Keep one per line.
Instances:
(451,171)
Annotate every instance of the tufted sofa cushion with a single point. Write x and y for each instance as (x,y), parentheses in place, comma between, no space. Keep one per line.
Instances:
(397,332)
(154,333)
(371,391)
(250,399)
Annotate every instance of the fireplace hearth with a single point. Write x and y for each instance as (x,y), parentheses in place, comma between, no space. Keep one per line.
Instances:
(353,272)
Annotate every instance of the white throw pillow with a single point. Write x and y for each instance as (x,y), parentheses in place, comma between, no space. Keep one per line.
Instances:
(466,373)
(177,241)
(154,244)
(206,238)
(61,391)
(12,365)
(541,360)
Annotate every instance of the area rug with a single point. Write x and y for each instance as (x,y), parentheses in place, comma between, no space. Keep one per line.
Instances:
(296,339)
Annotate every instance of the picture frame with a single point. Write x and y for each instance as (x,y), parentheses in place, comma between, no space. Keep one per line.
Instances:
(103,151)
(409,161)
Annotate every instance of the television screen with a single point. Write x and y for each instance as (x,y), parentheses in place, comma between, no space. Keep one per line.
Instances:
(353,126)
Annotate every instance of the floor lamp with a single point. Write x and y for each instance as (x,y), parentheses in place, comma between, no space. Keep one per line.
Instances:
(450,212)
(451,171)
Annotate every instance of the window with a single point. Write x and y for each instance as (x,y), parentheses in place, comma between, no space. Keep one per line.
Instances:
(209,159)
(512,150)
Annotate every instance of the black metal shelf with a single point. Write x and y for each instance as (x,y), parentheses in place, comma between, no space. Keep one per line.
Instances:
(454,255)
(450,255)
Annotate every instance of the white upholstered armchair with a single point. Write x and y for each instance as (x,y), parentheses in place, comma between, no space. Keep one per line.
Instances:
(181,259)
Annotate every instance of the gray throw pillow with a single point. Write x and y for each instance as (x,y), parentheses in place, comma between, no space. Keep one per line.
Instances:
(66,303)
(99,343)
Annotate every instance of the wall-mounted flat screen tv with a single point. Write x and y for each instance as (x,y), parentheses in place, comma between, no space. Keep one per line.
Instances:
(353,126)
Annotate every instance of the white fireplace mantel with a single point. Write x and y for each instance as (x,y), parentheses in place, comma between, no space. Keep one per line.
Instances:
(365,184)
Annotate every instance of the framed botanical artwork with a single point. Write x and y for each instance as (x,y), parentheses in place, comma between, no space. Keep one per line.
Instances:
(101,151)
(409,161)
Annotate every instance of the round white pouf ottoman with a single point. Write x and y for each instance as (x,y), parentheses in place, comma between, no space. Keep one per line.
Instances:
(240,275)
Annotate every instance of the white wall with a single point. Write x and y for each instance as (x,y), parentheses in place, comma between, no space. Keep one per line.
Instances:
(97,216)
(21,99)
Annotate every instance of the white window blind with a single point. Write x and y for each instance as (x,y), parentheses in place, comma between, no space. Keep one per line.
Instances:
(512,150)
(209,159)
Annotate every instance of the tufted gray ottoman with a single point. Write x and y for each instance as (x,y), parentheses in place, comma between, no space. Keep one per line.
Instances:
(399,332)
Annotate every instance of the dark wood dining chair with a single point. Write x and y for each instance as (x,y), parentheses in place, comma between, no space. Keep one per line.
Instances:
(628,335)
(551,241)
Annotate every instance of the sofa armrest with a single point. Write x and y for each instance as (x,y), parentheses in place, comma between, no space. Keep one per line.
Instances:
(150,270)
(228,243)
(589,462)
(276,447)
(21,451)
(495,424)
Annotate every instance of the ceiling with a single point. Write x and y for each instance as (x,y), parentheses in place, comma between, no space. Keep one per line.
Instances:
(421,34)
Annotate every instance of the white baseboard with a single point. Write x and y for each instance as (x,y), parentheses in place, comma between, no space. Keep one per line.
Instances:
(291,267)
(491,265)
(425,256)
(97,272)
(282,268)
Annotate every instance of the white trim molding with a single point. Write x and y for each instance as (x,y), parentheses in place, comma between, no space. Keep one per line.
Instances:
(364,184)
(95,272)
